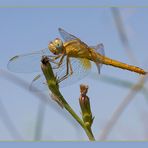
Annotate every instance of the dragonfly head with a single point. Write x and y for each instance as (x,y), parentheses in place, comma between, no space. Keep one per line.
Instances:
(56,46)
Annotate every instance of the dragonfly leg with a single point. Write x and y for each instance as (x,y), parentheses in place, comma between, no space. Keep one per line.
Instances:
(60,62)
(68,67)
(71,71)
(54,58)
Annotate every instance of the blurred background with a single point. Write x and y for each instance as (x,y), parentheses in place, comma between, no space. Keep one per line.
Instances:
(26,115)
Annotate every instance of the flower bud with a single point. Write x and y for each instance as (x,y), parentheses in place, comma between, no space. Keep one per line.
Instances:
(85,106)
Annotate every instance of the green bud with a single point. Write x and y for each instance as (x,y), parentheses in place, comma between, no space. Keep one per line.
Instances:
(52,82)
(85,106)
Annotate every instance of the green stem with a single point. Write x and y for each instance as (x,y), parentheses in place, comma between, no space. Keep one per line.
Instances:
(54,87)
(77,118)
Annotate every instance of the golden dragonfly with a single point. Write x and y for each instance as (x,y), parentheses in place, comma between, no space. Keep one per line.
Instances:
(71,60)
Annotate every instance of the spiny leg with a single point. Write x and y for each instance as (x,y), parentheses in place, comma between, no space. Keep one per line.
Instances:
(68,67)
(67,71)
(54,58)
(60,62)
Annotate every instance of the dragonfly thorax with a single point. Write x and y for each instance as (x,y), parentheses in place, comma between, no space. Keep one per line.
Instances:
(56,46)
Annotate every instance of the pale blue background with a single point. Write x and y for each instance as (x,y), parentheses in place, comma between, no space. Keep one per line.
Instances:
(74,144)
(24,30)
(75,2)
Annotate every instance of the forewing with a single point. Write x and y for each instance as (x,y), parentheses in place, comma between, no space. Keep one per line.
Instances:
(27,63)
(66,36)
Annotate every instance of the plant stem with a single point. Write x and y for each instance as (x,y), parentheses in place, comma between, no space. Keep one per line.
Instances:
(54,88)
(77,118)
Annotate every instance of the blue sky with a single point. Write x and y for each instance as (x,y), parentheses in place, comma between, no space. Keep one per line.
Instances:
(75,2)
(24,30)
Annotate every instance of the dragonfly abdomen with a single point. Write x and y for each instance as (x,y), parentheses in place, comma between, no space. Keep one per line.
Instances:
(108,61)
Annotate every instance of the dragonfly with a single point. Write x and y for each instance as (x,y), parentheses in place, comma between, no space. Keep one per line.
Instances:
(71,60)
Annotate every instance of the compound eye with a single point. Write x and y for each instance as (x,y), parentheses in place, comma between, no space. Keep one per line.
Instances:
(52,47)
(58,43)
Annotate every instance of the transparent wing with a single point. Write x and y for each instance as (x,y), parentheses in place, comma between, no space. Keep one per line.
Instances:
(66,36)
(38,83)
(27,63)
(79,72)
(99,49)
